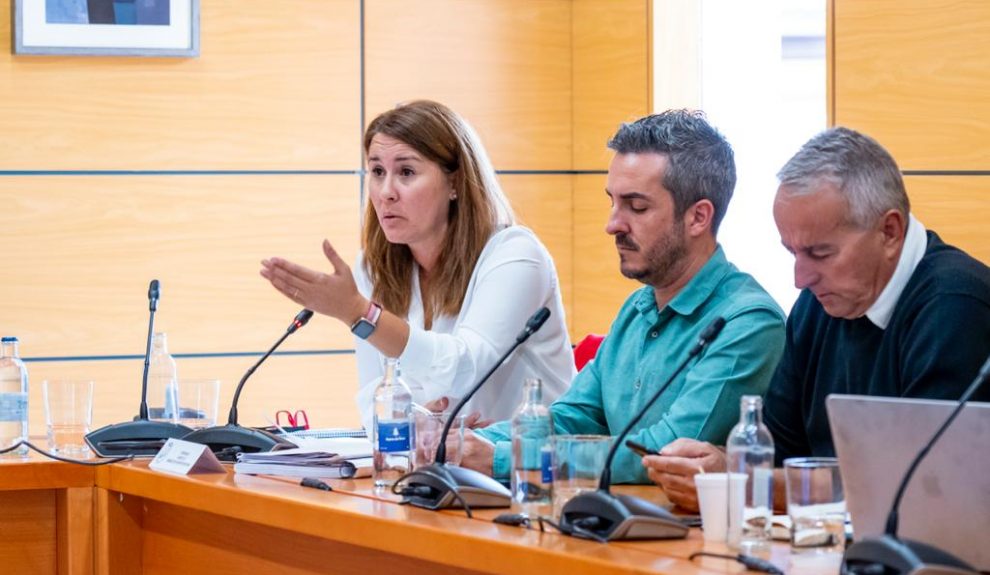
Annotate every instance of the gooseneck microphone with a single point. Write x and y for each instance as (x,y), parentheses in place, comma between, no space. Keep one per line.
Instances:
(226,441)
(601,516)
(153,293)
(301,319)
(437,486)
(891,555)
(533,324)
(141,437)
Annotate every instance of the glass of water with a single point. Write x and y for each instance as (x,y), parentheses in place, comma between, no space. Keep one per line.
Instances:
(68,415)
(578,462)
(429,429)
(198,400)
(816,504)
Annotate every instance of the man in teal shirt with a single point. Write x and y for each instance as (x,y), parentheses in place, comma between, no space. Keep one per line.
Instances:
(669,184)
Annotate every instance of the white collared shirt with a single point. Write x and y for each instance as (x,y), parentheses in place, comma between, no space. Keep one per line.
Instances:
(514,277)
(915,244)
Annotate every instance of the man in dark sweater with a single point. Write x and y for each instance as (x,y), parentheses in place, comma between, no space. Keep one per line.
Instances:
(886,307)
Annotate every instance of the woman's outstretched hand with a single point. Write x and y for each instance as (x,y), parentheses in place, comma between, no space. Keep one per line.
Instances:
(334,294)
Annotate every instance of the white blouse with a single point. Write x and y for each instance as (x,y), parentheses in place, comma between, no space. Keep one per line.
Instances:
(513,278)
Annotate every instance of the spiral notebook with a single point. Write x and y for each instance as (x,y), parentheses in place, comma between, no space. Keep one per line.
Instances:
(328,433)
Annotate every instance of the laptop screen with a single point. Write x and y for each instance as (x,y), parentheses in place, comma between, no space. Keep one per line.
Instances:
(947,502)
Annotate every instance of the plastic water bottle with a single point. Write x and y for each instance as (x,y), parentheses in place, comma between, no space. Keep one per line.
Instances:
(162,379)
(532,434)
(749,450)
(13,396)
(393,432)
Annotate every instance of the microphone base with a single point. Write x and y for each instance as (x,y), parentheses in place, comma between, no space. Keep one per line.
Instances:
(601,515)
(226,441)
(887,555)
(476,489)
(139,438)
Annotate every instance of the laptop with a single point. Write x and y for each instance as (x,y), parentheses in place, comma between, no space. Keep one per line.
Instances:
(947,502)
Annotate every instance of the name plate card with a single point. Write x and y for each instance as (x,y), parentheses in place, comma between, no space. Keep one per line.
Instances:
(185,457)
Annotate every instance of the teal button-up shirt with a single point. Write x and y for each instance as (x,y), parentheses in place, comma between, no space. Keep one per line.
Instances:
(643,348)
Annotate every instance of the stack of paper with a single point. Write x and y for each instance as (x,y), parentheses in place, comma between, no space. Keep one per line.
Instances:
(335,459)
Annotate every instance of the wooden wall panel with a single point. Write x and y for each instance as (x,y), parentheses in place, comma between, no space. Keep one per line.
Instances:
(81,251)
(956,207)
(612,84)
(323,385)
(543,204)
(611,74)
(505,66)
(915,76)
(276,87)
(600,289)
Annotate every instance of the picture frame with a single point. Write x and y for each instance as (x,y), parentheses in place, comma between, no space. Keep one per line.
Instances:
(107,27)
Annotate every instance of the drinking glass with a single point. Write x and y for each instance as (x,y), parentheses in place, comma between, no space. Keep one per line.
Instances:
(816,504)
(68,415)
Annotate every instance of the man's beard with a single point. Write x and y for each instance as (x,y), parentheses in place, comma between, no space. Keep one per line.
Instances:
(665,255)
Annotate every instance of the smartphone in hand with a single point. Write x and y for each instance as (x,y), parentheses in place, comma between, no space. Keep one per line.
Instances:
(640,449)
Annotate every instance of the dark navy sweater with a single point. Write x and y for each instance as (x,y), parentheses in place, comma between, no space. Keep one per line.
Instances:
(936,341)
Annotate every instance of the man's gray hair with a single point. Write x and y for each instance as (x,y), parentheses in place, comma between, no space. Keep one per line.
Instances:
(857,165)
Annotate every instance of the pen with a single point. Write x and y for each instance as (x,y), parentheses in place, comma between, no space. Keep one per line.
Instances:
(315,483)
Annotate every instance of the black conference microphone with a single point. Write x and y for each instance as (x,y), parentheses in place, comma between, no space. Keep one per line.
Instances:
(604,517)
(141,436)
(154,292)
(437,486)
(890,555)
(226,441)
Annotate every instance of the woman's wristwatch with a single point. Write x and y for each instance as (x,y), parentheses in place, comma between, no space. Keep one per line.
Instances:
(366,324)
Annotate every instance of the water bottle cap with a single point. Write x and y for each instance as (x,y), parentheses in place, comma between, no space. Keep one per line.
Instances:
(9,339)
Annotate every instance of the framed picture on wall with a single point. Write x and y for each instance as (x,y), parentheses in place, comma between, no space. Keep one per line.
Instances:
(107,27)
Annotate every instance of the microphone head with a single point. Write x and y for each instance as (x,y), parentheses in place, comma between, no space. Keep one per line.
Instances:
(153,294)
(301,319)
(707,335)
(534,323)
(713,329)
(538,319)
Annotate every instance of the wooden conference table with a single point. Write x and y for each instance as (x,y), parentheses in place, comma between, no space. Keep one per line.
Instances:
(124,518)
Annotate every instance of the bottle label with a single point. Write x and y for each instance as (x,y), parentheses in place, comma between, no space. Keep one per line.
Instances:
(393,436)
(13,406)
(546,465)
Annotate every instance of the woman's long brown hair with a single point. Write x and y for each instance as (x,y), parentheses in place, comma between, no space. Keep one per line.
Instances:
(478,210)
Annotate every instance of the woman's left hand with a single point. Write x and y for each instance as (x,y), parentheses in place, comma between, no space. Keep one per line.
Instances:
(335,294)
